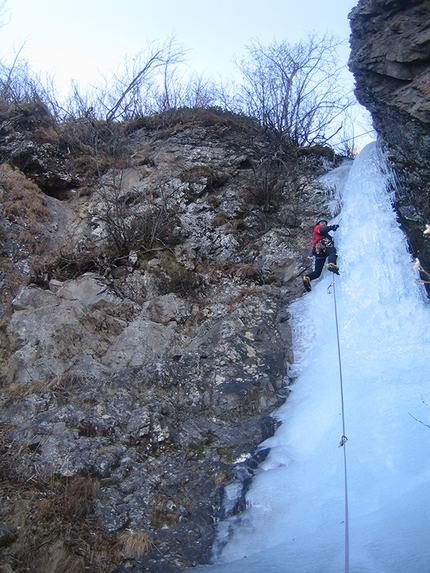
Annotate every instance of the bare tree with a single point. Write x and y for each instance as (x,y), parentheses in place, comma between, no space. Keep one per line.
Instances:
(127,97)
(181,92)
(18,84)
(169,94)
(296,91)
(3,12)
(200,93)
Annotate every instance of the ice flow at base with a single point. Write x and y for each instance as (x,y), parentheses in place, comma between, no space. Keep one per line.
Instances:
(294,522)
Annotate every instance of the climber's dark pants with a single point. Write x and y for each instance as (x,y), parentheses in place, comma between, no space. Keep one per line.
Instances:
(330,255)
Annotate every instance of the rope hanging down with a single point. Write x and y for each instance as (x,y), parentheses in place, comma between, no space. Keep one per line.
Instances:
(343,439)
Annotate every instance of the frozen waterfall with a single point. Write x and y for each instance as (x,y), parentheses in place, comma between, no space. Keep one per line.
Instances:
(294,522)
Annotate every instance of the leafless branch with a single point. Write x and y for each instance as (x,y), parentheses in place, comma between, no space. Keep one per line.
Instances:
(416,419)
(295,91)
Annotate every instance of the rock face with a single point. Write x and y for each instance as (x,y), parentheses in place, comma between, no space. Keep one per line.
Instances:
(145,340)
(390,59)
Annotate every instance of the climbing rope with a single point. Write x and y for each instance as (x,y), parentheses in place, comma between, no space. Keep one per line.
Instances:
(343,439)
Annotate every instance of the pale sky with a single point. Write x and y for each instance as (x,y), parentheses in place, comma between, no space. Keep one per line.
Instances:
(78,39)
(82,40)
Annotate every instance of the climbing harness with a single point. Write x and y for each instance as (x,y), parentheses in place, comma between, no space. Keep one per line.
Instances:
(343,439)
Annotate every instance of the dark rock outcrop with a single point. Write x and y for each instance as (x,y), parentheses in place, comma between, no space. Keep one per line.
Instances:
(29,141)
(390,59)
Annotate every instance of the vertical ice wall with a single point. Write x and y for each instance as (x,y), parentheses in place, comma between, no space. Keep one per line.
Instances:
(295,517)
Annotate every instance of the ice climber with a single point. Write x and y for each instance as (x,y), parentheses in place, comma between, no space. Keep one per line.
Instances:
(323,249)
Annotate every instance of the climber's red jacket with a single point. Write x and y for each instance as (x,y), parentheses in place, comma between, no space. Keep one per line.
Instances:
(322,232)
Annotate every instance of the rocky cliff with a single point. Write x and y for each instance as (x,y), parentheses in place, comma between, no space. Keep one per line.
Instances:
(390,59)
(146,271)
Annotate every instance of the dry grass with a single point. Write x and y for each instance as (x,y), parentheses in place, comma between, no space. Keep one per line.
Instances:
(172,277)
(222,477)
(22,199)
(51,532)
(184,117)
(50,521)
(220,219)
(24,206)
(59,558)
(205,177)
(250,272)
(49,524)
(95,145)
(10,278)
(135,544)
(67,263)
(66,383)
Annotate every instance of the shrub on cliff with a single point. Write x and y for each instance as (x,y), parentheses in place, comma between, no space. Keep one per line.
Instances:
(295,91)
